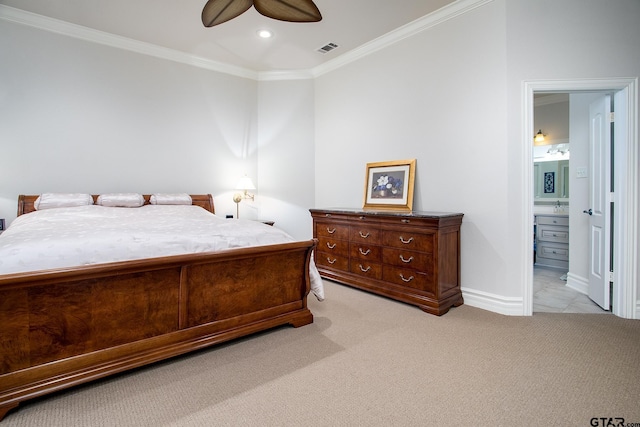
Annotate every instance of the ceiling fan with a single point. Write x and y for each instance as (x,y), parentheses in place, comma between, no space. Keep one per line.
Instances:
(218,11)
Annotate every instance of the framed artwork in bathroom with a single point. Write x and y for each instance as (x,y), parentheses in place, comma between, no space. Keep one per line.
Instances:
(389,185)
(549,182)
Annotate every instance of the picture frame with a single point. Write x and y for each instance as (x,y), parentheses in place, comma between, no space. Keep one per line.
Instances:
(549,182)
(389,185)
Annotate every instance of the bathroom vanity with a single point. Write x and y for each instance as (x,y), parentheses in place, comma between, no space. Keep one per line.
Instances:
(552,240)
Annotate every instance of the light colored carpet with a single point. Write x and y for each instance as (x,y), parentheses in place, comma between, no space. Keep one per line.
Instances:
(371,361)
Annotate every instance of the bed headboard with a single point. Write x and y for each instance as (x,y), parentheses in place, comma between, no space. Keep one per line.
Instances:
(26,202)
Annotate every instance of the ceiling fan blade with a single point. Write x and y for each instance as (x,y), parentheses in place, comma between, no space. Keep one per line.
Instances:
(289,10)
(218,11)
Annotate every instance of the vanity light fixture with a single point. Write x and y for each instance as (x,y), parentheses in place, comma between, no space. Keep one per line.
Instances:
(539,136)
(244,184)
(559,149)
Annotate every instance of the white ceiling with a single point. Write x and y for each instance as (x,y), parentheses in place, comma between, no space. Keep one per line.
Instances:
(177,25)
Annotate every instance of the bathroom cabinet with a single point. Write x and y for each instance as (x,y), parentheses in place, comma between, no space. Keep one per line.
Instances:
(552,240)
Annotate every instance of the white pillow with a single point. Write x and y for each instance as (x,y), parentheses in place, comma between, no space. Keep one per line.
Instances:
(121,200)
(62,200)
(170,199)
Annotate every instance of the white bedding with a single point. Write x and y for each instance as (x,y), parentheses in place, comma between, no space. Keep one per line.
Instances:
(82,235)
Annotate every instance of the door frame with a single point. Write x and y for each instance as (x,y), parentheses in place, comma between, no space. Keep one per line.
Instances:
(625,233)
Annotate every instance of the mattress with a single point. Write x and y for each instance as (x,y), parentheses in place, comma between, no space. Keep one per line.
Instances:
(92,234)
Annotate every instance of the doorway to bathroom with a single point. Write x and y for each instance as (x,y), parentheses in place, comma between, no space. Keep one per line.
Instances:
(620,280)
(561,145)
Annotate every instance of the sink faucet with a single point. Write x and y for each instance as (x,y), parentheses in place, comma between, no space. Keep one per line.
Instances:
(557,208)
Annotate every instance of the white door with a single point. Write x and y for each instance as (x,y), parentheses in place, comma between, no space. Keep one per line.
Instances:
(599,209)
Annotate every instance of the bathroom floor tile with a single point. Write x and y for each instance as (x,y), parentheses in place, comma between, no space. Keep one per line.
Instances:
(551,294)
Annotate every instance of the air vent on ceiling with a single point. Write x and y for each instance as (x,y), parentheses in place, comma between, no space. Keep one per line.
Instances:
(327,48)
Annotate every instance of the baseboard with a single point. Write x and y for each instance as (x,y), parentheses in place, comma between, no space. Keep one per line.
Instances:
(577,283)
(509,306)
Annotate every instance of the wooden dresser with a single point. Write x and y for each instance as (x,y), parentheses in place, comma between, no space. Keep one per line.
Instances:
(412,257)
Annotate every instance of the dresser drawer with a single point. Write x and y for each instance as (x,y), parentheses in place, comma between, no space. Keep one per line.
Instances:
(333,246)
(335,231)
(409,278)
(365,234)
(365,268)
(408,259)
(550,233)
(408,239)
(412,257)
(332,261)
(552,220)
(366,252)
(553,251)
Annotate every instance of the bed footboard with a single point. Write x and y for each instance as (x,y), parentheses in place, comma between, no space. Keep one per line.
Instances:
(70,326)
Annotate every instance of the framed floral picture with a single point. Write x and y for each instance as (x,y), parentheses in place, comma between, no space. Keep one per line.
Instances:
(389,185)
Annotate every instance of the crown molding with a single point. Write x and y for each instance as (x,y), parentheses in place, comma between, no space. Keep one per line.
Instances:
(431,20)
(57,26)
(286,75)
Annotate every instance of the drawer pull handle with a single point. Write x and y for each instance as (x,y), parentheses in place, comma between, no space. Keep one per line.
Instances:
(364,236)
(331,231)
(406,241)
(364,252)
(404,279)
(330,246)
(330,261)
(362,217)
(406,260)
(364,270)
(406,221)
(327,215)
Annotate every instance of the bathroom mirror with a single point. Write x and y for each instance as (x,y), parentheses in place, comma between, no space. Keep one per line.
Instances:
(551,180)
(551,173)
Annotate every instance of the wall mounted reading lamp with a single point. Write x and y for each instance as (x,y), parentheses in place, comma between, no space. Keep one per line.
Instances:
(245,184)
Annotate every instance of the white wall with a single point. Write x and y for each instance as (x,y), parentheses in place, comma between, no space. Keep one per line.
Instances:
(82,117)
(438,97)
(286,155)
(572,39)
(452,98)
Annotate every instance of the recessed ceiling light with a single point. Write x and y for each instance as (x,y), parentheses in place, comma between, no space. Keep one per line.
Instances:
(265,34)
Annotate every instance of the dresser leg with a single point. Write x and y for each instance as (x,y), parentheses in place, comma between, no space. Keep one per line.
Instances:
(443,308)
(6,408)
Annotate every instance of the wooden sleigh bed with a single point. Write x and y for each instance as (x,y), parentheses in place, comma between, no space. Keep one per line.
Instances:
(64,327)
